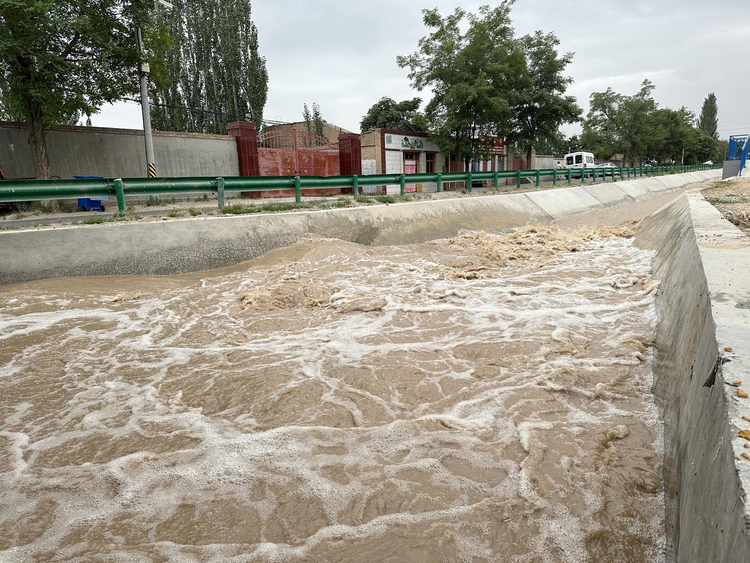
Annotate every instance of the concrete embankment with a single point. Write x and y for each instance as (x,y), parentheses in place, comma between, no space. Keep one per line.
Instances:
(702,347)
(201,244)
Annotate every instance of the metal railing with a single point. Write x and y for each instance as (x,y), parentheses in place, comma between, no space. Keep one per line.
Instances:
(35,190)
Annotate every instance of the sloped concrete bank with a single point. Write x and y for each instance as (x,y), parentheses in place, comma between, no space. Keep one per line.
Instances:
(703,262)
(197,244)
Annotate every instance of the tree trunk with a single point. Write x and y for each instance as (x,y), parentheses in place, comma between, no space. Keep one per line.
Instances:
(38,145)
(528,156)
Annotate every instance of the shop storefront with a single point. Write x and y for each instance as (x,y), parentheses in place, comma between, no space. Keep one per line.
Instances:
(386,151)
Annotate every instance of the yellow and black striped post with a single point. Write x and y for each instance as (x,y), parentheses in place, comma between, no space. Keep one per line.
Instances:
(151,170)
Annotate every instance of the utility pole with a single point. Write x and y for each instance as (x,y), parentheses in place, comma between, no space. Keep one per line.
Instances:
(143,77)
(143,73)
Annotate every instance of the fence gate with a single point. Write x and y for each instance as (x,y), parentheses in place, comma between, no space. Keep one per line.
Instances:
(285,151)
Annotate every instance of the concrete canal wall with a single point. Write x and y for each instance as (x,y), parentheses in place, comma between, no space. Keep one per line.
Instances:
(196,244)
(703,263)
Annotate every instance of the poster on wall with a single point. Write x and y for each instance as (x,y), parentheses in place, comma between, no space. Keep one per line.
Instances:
(368,167)
(410,167)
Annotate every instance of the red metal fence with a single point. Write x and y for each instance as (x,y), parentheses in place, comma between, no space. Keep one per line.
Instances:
(285,151)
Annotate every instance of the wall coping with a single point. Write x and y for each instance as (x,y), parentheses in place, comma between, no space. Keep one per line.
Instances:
(116,131)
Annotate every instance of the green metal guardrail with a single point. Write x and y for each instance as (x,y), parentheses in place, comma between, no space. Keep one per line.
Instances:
(34,190)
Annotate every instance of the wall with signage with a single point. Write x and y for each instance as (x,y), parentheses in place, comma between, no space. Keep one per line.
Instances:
(409,143)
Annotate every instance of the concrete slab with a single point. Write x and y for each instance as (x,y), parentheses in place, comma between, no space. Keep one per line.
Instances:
(635,189)
(608,194)
(564,202)
(654,185)
(693,176)
(702,263)
(672,180)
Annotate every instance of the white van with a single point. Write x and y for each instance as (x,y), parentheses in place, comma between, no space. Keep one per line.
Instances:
(580,160)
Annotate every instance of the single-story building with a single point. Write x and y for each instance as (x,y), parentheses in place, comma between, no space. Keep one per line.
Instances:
(391,151)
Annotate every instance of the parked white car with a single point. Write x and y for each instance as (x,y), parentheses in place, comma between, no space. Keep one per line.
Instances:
(615,170)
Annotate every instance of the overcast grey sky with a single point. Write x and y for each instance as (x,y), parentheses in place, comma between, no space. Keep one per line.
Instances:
(343,54)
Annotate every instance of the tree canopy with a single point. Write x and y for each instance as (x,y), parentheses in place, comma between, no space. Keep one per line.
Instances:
(617,123)
(474,71)
(708,122)
(64,59)
(637,128)
(214,73)
(541,106)
(389,114)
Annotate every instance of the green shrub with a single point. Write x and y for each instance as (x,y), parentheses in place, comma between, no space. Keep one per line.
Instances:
(238,209)
(385,199)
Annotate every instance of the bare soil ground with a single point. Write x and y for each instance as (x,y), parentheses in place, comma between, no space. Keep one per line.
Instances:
(732,198)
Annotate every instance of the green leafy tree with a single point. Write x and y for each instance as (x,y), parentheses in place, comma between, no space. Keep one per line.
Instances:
(708,122)
(720,150)
(671,133)
(389,114)
(556,144)
(474,67)
(542,106)
(59,60)
(699,147)
(617,123)
(214,72)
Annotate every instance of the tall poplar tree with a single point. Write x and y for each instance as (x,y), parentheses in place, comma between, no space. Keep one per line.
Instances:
(214,72)
(708,122)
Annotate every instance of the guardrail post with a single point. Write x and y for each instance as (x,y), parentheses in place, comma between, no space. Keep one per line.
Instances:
(298,189)
(641,171)
(537,177)
(518,178)
(468,181)
(554,177)
(120,193)
(403,185)
(220,192)
(570,176)
(355,186)
(495,179)
(439,182)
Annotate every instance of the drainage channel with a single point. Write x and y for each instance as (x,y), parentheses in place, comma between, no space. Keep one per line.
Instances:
(480,398)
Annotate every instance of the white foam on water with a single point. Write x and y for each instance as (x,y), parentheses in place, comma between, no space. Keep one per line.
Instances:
(355,396)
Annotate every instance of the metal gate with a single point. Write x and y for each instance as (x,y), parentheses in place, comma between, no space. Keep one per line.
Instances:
(286,151)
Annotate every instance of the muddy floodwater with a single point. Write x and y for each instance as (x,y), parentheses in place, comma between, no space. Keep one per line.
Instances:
(484,398)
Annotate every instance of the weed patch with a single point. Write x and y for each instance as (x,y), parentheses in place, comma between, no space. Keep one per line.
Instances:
(238,209)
